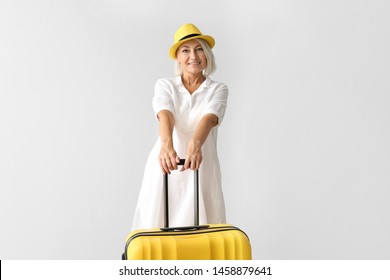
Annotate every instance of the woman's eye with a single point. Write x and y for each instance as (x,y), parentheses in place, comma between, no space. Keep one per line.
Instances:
(185,51)
(200,49)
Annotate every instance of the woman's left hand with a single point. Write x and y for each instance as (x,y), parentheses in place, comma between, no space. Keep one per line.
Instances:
(194,156)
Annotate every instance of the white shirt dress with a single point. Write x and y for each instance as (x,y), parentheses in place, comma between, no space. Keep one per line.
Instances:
(188,109)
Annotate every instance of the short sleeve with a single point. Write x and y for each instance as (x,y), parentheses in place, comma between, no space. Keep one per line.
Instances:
(162,99)
(217,103)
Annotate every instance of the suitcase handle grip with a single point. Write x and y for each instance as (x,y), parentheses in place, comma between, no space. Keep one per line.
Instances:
(196,201)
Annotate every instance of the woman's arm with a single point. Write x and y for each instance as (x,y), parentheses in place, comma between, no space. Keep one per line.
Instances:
(194,151)
(168,157)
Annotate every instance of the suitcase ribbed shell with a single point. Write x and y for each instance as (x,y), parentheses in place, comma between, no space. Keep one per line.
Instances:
(218,242)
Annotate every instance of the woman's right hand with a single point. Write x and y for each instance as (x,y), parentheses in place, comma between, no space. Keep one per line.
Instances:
(168,158)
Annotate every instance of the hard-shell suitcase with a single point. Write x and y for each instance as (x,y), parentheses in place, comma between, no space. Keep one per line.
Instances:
(198,242)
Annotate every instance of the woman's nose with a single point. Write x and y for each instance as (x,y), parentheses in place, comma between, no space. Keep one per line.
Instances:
(194,55)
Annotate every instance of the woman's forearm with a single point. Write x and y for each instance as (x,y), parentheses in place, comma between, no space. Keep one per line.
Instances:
(167,122)
(194,155)
(204,127)
(167,157)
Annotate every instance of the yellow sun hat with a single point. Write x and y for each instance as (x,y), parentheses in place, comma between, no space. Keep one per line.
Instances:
(185,33)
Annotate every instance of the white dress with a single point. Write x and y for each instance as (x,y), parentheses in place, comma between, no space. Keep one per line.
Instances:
(188,109)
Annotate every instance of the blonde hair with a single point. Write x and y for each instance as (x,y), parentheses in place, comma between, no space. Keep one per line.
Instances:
(211,66)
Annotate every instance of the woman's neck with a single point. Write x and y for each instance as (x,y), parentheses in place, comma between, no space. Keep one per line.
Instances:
(193,80)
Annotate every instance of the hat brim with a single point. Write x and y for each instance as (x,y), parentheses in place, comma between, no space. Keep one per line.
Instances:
(172,51)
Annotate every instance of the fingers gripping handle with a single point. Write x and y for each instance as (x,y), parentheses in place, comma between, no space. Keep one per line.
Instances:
(196,197)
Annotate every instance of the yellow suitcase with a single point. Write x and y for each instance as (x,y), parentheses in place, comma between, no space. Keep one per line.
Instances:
(198,242)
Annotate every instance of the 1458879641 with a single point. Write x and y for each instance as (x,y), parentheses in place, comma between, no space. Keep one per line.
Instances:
(242,270)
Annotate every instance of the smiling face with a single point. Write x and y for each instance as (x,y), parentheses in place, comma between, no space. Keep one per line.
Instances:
(191,57)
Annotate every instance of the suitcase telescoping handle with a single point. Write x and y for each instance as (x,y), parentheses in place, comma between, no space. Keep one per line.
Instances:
(196,204)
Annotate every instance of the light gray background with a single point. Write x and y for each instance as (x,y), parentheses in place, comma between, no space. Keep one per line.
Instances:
(304,146)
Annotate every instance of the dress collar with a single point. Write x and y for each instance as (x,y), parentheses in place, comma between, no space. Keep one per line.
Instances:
(180,85)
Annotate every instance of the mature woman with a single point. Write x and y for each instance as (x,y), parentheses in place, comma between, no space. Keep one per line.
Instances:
(189,109)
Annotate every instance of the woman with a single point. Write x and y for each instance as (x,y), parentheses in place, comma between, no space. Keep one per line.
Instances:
(189,109)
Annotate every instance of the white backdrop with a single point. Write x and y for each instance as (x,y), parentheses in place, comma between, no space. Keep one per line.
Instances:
(304,146)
